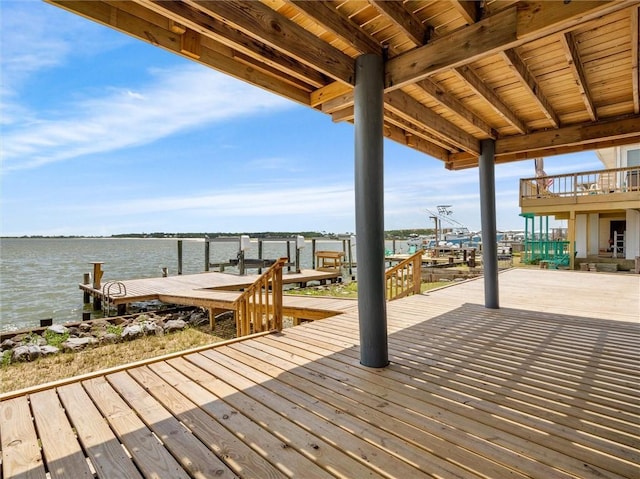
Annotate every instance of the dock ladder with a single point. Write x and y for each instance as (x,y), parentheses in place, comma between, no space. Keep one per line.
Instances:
(109,292)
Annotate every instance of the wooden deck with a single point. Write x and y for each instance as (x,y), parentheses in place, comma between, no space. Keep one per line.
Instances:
(545,387)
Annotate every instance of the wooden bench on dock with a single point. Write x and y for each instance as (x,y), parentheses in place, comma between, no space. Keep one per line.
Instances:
(330,261)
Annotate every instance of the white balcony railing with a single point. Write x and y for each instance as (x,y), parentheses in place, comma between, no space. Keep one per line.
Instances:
(615,180)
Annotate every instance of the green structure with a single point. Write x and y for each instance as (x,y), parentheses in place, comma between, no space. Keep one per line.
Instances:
(539,246)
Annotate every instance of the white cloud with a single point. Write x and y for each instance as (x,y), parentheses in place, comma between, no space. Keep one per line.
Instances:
(179,99)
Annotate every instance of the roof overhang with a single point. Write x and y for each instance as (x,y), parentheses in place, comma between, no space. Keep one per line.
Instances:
(541,78)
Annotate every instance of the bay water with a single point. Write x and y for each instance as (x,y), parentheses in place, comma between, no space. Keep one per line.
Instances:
(39,277)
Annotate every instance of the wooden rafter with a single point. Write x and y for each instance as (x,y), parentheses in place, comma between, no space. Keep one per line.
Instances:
(531,84)
(258,21)
(469,9)
(410,128)
(413,111)
(403,18)
(635,57)
(324,14)
(222,33)
(450,102)
(492,99)
(399,135)
(573,59)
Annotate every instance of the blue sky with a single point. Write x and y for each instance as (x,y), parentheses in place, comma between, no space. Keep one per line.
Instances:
(104,134)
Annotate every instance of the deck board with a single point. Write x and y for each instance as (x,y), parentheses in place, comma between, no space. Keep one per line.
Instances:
(544,387)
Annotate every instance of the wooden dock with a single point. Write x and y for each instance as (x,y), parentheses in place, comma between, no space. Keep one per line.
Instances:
(545,387)
(148,289)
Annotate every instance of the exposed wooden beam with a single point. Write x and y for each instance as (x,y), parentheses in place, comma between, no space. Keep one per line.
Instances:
(259,21)
(457,161)
(573,59)
(399,135)
(492,99)
(330,18)
(403,18)
(531,84)
(450,102)
(510,28)
(635,57)
(415,112)
(338,103)
(330,92)
(163,37)
(416,131)
(346,114)
(610,129)
(469,9)
(224,34)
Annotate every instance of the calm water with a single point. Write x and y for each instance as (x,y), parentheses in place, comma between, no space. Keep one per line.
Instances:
(39,277)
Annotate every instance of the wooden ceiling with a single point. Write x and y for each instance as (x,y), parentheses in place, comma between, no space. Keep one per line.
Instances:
(540,77)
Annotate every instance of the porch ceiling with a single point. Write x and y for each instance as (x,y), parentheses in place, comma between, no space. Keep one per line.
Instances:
(541,78)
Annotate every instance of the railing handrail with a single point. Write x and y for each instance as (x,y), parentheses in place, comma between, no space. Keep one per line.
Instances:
(259,306)
(583,173)
(404,278)
(579,184)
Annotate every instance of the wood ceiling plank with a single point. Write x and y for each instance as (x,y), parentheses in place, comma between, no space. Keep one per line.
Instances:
(259,21)
(496,103)
(509,28)
(573,59)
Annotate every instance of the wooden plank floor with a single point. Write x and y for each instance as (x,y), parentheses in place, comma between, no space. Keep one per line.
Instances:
(145,289)
(545,387)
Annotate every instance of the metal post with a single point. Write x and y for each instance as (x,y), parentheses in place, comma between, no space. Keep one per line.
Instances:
(369,196)
(313,253)
(486,171)
(259,253)
(207,252)
(179,257)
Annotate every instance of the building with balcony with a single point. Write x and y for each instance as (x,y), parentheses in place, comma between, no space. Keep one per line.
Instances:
(602,207)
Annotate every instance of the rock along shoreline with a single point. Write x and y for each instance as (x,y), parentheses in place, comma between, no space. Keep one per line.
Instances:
(30,344)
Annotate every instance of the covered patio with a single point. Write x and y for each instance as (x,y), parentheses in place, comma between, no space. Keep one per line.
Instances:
(545,387)
(471,83)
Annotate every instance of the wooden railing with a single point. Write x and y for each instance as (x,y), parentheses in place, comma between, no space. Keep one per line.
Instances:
(259,308)
(404,278)
(614,180)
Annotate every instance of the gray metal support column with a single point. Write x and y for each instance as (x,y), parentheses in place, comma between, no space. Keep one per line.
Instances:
(487,175)
(369,188)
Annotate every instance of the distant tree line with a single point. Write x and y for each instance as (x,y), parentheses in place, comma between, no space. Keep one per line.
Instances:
(390,234)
